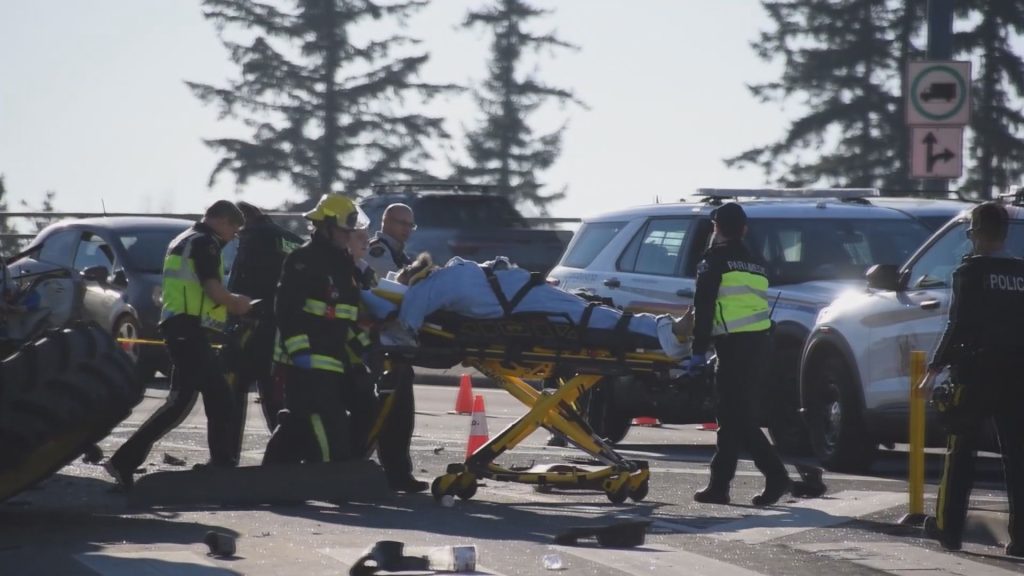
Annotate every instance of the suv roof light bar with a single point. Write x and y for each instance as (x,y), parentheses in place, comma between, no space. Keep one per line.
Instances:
(839,193)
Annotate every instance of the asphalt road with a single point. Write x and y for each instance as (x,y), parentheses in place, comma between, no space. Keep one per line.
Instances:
(73,524)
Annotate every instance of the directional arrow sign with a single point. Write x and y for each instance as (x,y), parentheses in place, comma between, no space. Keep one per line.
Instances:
(936,152)
(938,93)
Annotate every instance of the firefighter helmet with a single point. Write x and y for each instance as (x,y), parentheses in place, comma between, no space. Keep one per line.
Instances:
(339,210)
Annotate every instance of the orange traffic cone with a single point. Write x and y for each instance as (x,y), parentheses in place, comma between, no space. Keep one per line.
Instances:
(464,401)
(478,427)
(649,421)
(709,426)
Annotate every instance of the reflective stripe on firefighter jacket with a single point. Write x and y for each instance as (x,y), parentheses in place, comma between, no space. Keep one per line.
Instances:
(182,290)
(316,306)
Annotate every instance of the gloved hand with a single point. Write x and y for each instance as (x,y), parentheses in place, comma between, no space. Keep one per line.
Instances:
(304,361)
(695,364)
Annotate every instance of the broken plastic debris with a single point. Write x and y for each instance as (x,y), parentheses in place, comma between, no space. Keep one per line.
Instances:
(447,500)
(438,449)
(173,460)
(553,562)
(220,544)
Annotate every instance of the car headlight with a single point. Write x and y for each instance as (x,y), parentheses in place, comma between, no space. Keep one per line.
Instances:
(158,296)
(824,315)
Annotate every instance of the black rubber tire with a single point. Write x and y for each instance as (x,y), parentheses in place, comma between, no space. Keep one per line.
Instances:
(62,394)
(839,435)
(606,421)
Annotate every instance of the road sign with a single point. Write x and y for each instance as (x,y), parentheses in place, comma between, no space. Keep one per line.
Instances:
(936,152)
(938,93)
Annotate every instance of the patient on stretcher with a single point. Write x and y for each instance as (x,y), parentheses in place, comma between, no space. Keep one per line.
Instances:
(499,289)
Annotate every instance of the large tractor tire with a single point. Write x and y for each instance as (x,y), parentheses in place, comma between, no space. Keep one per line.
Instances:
(60,395)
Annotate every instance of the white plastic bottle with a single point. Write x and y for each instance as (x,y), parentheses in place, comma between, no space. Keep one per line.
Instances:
(452,558)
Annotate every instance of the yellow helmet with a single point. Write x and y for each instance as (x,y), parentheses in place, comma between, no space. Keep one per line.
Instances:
(340,210)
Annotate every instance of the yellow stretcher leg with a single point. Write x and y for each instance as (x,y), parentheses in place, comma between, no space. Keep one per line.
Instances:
(618,479)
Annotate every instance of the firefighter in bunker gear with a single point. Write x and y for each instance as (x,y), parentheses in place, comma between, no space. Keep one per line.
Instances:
(731,309)
(316,307)
(983,348)
(195,305)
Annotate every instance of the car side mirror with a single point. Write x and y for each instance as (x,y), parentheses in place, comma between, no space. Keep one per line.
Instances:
(120,278)
(884,277)
(96,274)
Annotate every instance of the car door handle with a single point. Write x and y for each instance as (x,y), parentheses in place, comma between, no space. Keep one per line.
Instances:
(612,283)
(929,304)
(684,293)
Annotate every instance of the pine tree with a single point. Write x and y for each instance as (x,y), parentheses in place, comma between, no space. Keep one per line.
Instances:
(997,146)
(844,61)
(503,149)
(328,110)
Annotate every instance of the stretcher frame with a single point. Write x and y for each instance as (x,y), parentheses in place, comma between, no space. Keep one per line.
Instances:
(618,477)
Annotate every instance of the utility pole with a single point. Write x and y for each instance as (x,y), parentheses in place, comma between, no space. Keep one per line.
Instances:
(940,47)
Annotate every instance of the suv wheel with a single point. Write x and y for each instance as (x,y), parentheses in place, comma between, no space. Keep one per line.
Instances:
(838,434)
(604,418)
(127,327)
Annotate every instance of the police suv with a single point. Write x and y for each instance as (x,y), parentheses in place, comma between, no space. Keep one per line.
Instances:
(855,371)
(816,243)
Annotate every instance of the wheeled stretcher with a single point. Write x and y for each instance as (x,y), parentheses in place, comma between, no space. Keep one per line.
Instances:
(535,347)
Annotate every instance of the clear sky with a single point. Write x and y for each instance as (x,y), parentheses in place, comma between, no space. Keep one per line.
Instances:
(93,104)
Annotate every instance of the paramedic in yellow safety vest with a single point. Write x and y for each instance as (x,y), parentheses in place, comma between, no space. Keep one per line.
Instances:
(731,311)
(195,304)
(317,305)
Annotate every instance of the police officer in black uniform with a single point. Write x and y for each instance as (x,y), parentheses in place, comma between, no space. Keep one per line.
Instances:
(387,254)
(195,306)
(262,247)
(731,308)
(983,347)
(317,306)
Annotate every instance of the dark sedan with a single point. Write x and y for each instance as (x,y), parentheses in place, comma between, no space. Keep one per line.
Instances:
(116,265)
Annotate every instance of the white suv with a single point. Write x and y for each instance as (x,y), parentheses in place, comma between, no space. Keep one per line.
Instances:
(855,372)
(816,245)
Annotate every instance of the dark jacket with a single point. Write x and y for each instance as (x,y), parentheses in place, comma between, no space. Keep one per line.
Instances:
(262,247)
(318,275)
(985,310)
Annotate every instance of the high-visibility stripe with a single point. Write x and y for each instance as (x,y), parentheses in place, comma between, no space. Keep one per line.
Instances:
(321,437)
(742,290)
(338,311)
(940,504)
(296,343)
(736,325)
(322,362)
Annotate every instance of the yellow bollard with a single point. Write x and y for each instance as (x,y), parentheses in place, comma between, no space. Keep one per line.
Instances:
(915,478)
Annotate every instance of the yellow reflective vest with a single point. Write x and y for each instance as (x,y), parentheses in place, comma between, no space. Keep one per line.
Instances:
(731,295)
(182,291)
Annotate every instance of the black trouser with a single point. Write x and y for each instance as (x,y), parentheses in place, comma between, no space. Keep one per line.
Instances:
(1003,402)
(396,433)
(195,369)
(248,355)
(742,362)
(319,427)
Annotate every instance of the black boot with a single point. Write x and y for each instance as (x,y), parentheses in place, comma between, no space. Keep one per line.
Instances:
(409,485)
(1015,548)
(774,489)
(948,542)
(712,494)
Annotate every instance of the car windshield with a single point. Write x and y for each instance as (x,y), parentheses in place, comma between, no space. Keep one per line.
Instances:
(802,250)
(145,249)
(457,211)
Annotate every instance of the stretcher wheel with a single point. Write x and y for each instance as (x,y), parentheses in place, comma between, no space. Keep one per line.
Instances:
(640,492)
(442,485)
(466,490)
(619,495)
